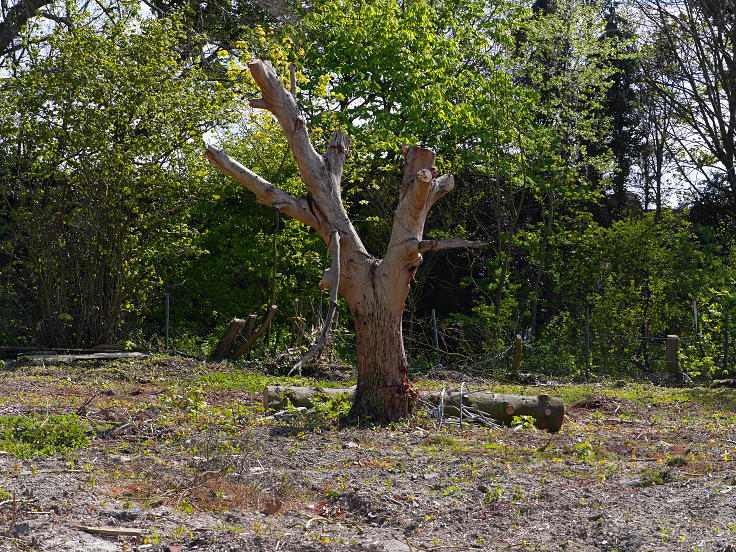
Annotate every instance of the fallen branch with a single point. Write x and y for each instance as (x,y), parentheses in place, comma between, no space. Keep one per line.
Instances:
(112,531)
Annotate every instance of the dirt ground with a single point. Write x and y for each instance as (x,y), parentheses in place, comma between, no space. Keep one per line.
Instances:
(181,450)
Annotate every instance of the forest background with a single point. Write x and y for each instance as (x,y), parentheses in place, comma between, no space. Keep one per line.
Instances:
(593,145)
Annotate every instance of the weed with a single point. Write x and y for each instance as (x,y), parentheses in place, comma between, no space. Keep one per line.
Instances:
(584,451)
(650,477)
(678,461)
(325,413)
(522,422)
(442,440)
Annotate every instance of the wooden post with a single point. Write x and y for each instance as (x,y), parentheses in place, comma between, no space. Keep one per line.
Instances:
(251,325)
(166,331)
(672,362)
(518,347)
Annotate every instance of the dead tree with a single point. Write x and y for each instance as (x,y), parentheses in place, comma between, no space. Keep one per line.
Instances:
(374,289)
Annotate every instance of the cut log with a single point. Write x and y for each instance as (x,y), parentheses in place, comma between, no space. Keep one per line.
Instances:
(548,412)
(226,343)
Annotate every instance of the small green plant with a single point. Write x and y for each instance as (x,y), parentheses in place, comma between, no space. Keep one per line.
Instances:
(584,451)
(650,477)
(26,437)
(324,414)
(190,399)
(522,422)
(495,494)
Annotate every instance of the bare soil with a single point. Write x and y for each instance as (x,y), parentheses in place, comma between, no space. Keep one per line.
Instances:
(189,458)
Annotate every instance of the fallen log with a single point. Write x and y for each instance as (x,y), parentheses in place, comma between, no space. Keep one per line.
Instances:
(548,412)
(277,397)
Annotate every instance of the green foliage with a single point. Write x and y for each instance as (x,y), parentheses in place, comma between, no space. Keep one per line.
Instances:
(26,437)
(649,477)
(98,133)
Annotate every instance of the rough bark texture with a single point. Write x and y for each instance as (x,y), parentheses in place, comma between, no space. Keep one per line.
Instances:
(548,412)
(374,289)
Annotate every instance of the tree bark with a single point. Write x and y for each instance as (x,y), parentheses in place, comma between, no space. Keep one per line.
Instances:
(226,343)
(383,392)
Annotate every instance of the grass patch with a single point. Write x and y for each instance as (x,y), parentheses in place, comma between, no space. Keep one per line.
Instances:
(26,437)
(253,382)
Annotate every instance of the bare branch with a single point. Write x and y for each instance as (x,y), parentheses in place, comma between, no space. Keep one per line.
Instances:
(336,154)
(421,188)
(440,188)
(279,101)
(265,192)
(455,243)
(334,284)
(322,175)
(15,18)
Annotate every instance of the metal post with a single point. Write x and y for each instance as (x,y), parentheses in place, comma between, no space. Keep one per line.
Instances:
(436,338)
(587,340)
(168,308)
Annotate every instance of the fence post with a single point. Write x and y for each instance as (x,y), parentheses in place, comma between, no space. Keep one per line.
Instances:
(518,347)
(166,331)
(672,361)
(695,317)
(436,338)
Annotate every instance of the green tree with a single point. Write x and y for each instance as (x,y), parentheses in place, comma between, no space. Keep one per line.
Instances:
(97,133)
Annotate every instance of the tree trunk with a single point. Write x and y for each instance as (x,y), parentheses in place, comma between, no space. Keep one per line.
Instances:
(383,392)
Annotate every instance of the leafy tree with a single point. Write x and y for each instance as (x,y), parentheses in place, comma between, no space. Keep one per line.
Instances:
(97,131)
(697,37)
